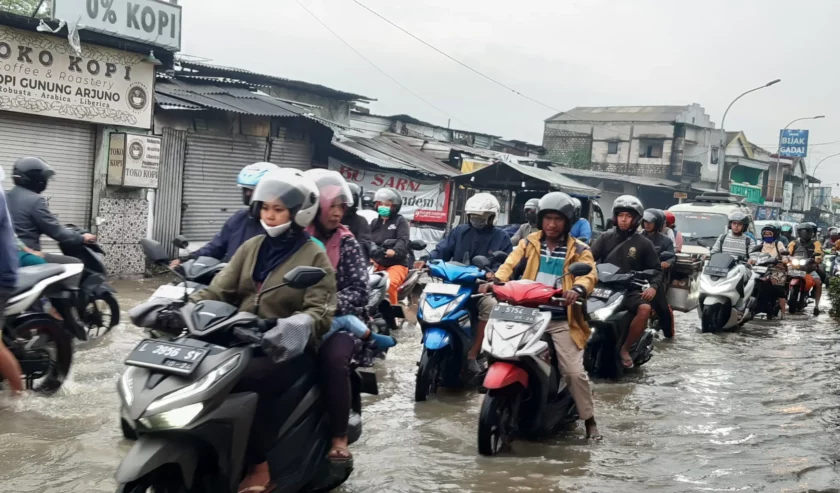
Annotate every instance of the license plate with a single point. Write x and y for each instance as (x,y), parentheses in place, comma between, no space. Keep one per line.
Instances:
(715,271)
(442,288)
(167,357)
(602,293)
(796,273)
(508,313)
(170,292)
(759,270)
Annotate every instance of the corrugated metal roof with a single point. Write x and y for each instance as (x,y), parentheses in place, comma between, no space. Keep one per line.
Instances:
(648,181)
(621,113)
(386,153)
(168,101)
(555,180)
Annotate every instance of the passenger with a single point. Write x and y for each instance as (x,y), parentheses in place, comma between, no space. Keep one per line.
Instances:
(358,225)
(808,247)
(241,226)
(27,256)
(771,245)
(834,237)
(581,230)
(545,256)
(286,203)
(653,221)
(787,234)
(531,225)
(673,233)
(479,237)
(390,225)
(628,251)
(9,366)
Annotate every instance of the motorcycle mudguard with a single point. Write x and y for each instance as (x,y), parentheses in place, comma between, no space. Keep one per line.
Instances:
(502,374)
(104,288)
(715,300)
(149,454)
(436,338)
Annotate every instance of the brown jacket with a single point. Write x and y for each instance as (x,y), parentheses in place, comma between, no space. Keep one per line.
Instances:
(528,251)
(235,285)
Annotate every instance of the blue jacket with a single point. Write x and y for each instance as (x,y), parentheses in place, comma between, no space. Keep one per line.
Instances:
(240,228)
(582,230)
(8,248)
(467,241)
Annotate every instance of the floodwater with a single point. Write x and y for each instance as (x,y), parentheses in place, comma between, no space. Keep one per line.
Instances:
(753,411)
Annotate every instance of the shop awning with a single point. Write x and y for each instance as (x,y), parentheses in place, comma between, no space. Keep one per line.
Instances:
(389,154)
(510,176)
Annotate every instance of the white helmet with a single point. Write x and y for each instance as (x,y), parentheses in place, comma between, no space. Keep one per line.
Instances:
(482,203)
(294,190)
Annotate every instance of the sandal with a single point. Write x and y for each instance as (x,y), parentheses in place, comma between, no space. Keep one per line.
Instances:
(596,438)
(268,488)
(340,454)
(627,363)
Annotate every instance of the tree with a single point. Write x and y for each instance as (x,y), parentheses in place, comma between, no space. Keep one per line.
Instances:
(26,7)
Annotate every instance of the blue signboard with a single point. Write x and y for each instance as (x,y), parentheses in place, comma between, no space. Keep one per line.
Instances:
(794,143)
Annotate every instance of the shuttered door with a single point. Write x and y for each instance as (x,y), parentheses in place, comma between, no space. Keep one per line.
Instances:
(68,147)
(292,149)
(210,195)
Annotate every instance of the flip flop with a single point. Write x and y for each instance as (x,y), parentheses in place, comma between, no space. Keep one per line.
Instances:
(595,438)
(624,363)
(268,488)
(340,454)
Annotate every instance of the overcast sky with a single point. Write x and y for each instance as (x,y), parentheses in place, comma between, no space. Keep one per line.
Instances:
(562,53)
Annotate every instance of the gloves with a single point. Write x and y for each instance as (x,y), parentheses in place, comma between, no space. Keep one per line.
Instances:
(288,338)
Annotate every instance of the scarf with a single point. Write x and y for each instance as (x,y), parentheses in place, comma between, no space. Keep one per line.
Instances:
(274,251)
(331,241)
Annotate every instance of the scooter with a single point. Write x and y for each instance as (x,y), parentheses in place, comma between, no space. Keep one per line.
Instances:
(41,343)
(191,428)
(610,323)
(198,272)
(726,296)
(799,283)
(766,300)
(525,394)
(377,253)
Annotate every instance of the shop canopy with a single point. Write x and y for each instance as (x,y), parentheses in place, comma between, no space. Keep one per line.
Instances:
(510,176)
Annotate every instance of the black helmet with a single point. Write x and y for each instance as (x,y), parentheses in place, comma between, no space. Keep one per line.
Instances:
(356,191)
(367,200)
(578,207)
(389,195)
(773,228)
(809,228)
(628,203)
(32,173)
(655,216)
(560,203)
(740,217)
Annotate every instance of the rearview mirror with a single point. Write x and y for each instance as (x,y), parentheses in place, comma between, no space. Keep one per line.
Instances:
(499,256)
(303,276)
(154,251)
(481,262)
(417,245)
(180,241)
(578,269)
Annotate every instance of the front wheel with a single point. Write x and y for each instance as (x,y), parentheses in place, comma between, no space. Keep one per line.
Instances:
(101,314)
(44,350)
(494,425)
(427,376)
(152,486)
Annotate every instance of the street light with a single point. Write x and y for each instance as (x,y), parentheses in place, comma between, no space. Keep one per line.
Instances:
(722,150)
(779,154)
(814,172)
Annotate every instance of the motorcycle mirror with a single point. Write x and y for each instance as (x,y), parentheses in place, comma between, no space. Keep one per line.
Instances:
(423,258)
(667,256)
(389,243)
(180,241)
(303,276)
(499,256)
(481,262)
(154,251)
(578,269)
(417,245)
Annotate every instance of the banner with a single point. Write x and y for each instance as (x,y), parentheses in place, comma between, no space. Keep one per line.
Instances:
(794,143)
(821,198)
(134,160)
(41,75)
(423,201)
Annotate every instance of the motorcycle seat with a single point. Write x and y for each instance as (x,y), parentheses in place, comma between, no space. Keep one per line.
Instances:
(377,280)
(28,277)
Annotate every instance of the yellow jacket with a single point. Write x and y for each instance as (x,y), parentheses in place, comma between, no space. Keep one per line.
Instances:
(528,251)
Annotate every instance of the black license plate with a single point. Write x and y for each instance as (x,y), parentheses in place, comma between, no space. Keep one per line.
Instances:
(715,271)
(167,357)
(602,293)
(508,313)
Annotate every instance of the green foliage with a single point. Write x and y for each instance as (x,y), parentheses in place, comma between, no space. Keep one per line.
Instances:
(834,296)
(26,7)
(578,158)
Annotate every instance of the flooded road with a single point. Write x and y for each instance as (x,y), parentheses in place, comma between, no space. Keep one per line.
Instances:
(756,410)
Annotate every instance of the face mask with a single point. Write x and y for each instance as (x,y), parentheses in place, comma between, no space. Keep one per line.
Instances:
(768,239)
(478,222)
(275,231)
(384,211)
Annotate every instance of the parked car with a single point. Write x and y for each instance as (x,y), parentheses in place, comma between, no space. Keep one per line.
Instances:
(702,221)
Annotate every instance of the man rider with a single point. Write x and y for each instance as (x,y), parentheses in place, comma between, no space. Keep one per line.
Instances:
(531,222)
(834,237)
(545,256)
(30,213)
(241,226)
(808,247)
(628,251)
(478,237)
(787,234)
(736,242)
(581,230)
(653,221)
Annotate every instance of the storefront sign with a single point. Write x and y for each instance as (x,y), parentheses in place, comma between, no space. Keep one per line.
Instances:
(766,213)
(787,195)
(41,75)
(424,201)
(134,160)
(794,143)
(153,22)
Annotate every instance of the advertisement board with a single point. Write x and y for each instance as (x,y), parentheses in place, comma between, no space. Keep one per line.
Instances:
(41,75)
(821,198)
(787,195)
(134,160)
(794,143)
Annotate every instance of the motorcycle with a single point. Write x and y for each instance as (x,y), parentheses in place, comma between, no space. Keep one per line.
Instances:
(726,296)
(198,272)
(766,299)
(390,313)
(41,343)
(610,323)
(525,394)
(799,283)
(447,320)
(191,429)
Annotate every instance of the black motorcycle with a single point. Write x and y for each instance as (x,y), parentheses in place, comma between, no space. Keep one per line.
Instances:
(198,272)
(765,294)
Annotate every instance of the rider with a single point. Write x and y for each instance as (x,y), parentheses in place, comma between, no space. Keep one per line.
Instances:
(736,242)
(241,226)
(531,225)
(30,213)
(581,230)
(357,224)
(653,221)
(787,234)
(368,208)
(390,225)
(676,236)
(9,366)
(479,237)
(286,202)
(834,237)
(628,251)
(545,256)
(772,245)
(808,247)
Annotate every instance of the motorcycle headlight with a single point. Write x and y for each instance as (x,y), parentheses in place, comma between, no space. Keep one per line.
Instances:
(174,418)
(604,312)
(197,387)
(435,315)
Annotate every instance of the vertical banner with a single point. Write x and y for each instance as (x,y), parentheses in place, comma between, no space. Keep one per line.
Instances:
(794,143)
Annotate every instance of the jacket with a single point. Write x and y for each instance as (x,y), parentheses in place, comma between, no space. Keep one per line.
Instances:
(814,249)
(528,253)
(8,248)
(32,218)
(360,227)
(465,242)
(631,252)
(523,232)
(582,230)
(397,228)
(235,285)
(238,229)
(662,244)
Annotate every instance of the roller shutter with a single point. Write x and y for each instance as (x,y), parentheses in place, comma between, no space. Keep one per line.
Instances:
(292,149)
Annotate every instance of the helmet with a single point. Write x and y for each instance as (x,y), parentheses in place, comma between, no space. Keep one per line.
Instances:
(293,189)
(655,216)
(560,203)
(773,228)
(670,219)
(367,200)
(832,232)
(740,217)
(251,174)
(808,227)
(356,192)
(389,195)
(628,203)
(578,207)
(482,203)
(532,204)
(331,186)
(787,228)
(32,173)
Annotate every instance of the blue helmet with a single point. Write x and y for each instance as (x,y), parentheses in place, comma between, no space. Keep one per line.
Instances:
(251,174)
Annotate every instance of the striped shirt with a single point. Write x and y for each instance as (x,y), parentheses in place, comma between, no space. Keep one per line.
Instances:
(552,263)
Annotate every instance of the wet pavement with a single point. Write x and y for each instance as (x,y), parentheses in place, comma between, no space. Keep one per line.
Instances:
(755,410)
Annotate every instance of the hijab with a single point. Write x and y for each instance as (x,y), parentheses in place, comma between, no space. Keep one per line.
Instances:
(276,250)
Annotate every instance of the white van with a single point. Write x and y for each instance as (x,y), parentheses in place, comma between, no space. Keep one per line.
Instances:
(702,221)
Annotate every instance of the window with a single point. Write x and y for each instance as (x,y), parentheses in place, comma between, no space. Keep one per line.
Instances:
(650,148)
(612,147)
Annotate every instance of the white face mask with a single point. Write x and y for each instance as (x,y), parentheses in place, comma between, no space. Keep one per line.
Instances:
(275,231)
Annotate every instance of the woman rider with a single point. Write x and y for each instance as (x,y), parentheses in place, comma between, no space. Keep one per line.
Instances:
(772,245)
(390,225)
(286,203)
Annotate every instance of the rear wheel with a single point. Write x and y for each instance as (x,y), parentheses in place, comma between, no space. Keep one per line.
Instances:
(427,376)
(101,315)
(793,301)
(44,350)
(494,424)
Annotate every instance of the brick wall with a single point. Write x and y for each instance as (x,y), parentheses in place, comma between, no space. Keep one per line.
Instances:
(658,170)
(566,146)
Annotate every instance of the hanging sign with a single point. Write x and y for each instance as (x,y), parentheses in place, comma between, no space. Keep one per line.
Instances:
(794,143)
(134,160)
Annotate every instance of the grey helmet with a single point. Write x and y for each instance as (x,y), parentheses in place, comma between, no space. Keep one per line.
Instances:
(389,195)
(560,203)
(631,204)
(578,208)
(740,217)
(532,204)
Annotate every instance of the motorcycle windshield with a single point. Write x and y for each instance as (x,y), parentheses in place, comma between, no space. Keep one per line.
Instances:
(608,273)
(722,260)
(454,272)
